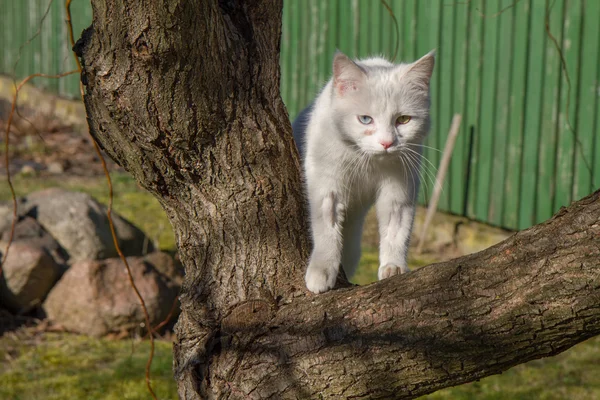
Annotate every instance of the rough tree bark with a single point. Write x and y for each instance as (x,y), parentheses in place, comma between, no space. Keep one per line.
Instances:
(185,96)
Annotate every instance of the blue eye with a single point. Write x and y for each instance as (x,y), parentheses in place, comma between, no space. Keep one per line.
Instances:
(365,119)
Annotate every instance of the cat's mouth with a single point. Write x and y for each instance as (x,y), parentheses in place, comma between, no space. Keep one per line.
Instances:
(384,154)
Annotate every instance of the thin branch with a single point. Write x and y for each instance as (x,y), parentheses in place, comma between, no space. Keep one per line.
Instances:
(110,220)
(36,34)
(7,157)
(391,12)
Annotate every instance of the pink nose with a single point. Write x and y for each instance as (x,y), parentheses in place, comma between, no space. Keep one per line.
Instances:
(386,144)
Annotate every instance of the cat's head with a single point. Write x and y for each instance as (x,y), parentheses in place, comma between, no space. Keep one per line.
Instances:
(379,107)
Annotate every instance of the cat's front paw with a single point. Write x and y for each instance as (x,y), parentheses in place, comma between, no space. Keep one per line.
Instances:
(385,271)
(320,279)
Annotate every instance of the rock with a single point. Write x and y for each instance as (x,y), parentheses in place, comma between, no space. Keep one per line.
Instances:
(132,241)
(55,168)
(6,213)
(28,170)
(166,266)
(28,230)
(28,274)
(96,298)
(80,225)
(6,216)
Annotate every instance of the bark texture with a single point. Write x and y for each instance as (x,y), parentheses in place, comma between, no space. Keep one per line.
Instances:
(185,96)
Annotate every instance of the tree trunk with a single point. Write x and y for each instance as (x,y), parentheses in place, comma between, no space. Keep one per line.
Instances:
(185,96)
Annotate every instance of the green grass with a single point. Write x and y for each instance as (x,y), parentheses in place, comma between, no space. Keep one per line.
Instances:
(369,264)
(77,367)
(572,375)
(64,366)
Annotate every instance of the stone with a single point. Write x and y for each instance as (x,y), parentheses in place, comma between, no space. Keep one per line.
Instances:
(28,170)
(55,168)
(96,298)
(28,274)
(132,241)
(80,225)
(6,215)
(28,230)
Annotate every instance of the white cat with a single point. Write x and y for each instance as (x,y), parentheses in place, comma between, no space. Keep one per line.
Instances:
(361,144)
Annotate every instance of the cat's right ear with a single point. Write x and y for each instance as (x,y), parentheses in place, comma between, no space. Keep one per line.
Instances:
(421,70)
(347,75)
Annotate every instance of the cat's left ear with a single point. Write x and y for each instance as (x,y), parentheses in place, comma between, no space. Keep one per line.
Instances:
(421,70)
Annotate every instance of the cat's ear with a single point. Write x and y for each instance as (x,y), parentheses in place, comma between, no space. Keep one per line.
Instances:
(347,75)
(421,70)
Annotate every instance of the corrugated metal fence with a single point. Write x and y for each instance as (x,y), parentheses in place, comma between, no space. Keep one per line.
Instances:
(535,129)
(28,47)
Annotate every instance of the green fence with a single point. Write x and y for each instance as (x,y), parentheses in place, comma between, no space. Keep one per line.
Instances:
(529,138)
(28,47)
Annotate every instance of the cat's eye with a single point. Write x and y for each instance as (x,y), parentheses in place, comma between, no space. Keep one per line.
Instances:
(365,119)
(402,120)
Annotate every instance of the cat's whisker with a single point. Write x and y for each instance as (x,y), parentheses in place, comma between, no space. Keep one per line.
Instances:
(432,172)
(426,147)
(405,167)
(423,157)
(408,166)
(356,167)
(415,164)
(425,170)
(414,175)
(427,167)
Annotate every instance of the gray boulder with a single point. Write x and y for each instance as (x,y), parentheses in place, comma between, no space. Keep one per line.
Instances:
(96,298)
(80,225)
(28,274)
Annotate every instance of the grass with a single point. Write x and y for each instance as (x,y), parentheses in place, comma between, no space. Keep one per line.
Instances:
(369,264)
(65,366)
(573,375)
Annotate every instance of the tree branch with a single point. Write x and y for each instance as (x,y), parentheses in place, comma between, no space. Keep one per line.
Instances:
(533,295)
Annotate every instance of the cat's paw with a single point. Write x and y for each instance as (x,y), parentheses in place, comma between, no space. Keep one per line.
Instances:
(385,271)
(320,279)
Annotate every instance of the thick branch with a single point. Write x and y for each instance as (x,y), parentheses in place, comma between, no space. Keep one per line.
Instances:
(185,96)
(533,295)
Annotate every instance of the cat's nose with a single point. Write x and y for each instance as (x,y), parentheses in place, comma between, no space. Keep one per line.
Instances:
(386,143)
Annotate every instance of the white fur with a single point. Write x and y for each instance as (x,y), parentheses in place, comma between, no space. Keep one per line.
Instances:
(348,169)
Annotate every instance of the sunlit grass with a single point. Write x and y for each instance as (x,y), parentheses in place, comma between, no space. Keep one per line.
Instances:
(572,375)
(369,264)
(64,366)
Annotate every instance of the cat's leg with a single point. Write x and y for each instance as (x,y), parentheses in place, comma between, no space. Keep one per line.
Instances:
(352,235)
(327,217)
(395,219)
